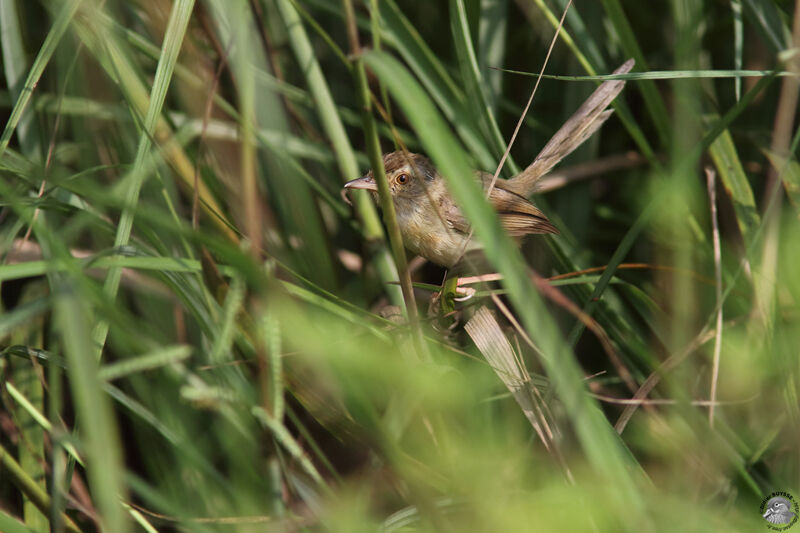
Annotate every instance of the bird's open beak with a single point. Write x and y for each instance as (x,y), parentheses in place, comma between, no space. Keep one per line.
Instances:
(366,183)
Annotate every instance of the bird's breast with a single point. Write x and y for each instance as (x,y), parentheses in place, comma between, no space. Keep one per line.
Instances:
(427,235)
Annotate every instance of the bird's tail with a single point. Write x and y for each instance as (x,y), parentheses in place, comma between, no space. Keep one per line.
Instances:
(580,126)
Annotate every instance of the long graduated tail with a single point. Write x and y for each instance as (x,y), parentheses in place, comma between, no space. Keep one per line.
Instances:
(580,126)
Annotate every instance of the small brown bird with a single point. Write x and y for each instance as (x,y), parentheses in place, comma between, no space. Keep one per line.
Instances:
(431,223)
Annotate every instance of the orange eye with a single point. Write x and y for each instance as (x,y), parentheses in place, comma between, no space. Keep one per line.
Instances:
(402,178)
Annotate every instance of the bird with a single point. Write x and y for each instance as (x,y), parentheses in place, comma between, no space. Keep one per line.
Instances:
(431,223)
(779,511)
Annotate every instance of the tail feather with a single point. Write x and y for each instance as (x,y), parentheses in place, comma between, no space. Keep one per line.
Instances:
(580,126)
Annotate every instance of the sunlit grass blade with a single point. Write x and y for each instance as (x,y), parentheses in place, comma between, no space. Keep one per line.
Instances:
(32,491)
(149,361)
(29,399)
(661,75)
(38,417)
(734,179)
(10,525)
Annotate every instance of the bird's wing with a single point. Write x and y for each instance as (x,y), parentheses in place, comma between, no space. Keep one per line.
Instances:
(580,126)
(518,216)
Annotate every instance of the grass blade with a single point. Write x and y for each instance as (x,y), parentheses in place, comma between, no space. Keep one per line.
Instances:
(652,98)
(98,427)
(60,26)
(492,46)
(399,32)
(767,19)
(345,155)
(477,99)
(14,66)
(173,37)
(726,160)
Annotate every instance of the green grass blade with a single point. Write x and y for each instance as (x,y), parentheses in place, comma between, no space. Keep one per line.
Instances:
(713,133)
(492,31)
(477,100)
(766,17)
(14,67)
(385,196)
(25,312)
(173,37)
(585,39)
(14,471)
(286,194)
(726,159)
(738,43)
(98,32)
(98,427)
(282,435)
(10,525)
(622,110)
(618,257)
(719,126)
(60,26)
(158,358)
(400,34)
(652,98)
(239,381)
(334,129)
(661,75)
(36,415)
(30,399)
(789,171)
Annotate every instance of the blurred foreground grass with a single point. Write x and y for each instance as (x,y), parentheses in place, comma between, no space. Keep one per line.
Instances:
(199,334)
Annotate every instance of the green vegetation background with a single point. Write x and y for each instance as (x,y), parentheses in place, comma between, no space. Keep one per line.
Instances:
(159,373)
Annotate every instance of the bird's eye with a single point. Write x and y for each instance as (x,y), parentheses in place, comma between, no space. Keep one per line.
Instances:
(402,178)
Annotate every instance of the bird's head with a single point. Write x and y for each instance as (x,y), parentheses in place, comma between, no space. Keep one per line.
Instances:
(779,510)
(410,176)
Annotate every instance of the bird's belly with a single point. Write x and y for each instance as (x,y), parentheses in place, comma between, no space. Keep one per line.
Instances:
(435,242)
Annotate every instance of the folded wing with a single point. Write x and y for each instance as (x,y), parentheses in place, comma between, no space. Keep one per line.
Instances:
(518,216)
